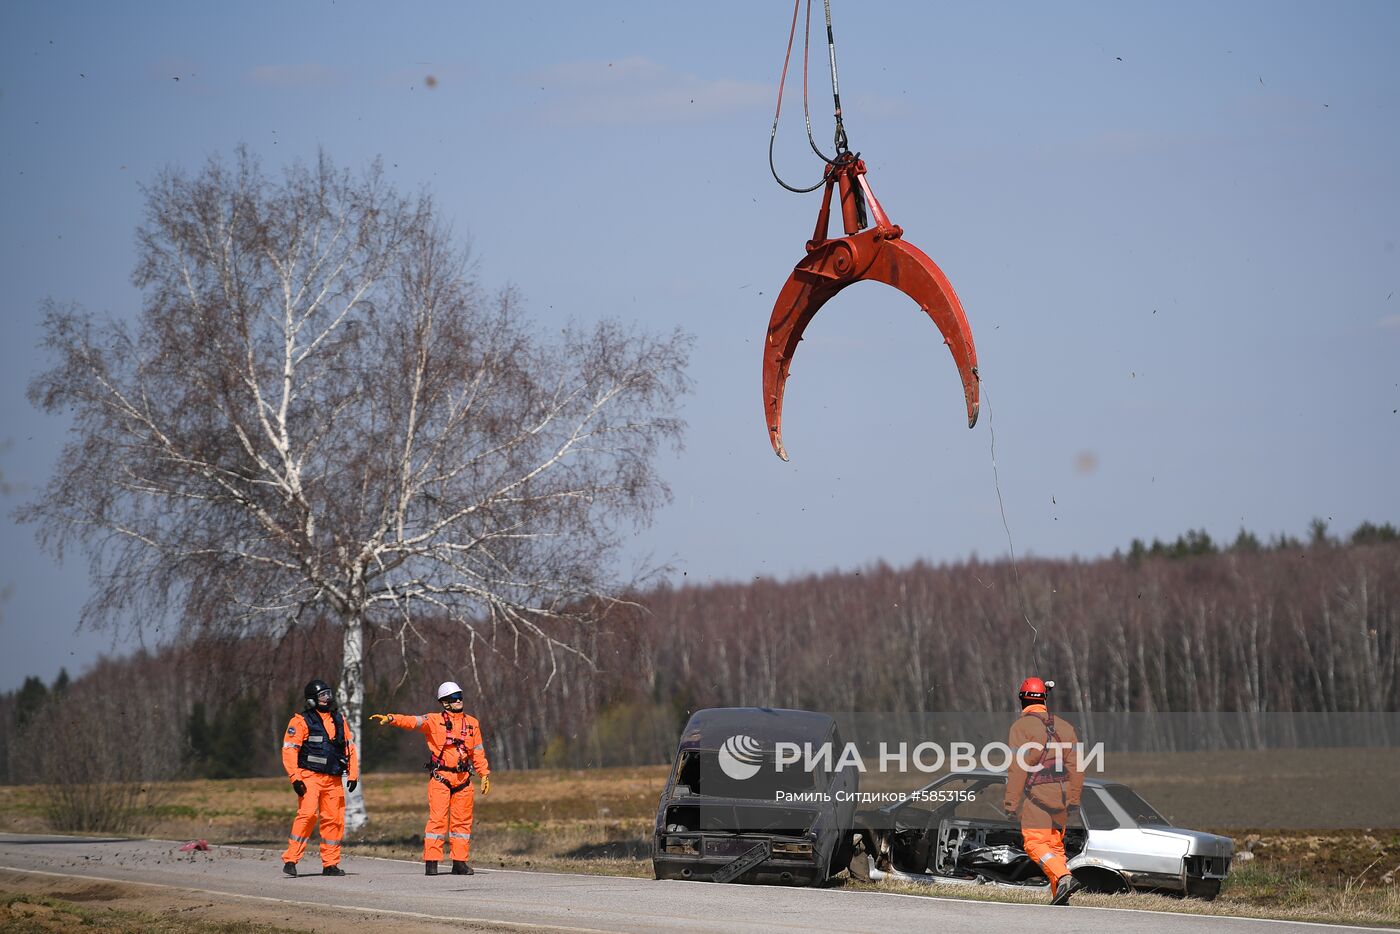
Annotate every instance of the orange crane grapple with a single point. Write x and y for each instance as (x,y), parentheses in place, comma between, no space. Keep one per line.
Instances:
(879,253)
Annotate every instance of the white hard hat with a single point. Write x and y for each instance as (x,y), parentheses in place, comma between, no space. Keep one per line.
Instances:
(448,688)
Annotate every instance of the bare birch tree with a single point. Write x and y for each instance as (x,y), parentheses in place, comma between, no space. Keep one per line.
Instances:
(319,412)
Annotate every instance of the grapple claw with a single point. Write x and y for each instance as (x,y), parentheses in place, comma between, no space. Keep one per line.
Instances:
(878,254)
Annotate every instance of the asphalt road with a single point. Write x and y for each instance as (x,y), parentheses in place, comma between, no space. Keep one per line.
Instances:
(517,900)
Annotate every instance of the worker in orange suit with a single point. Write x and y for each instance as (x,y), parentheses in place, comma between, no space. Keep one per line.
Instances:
(1043,784)
(454,741)
(319,755)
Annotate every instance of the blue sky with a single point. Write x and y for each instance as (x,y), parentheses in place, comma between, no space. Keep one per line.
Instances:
(1173,227)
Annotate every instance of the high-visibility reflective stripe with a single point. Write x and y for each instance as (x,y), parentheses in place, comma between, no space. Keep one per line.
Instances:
(478,746)
(433,836)
(291,745)
(1046,856)
(459,836)
(418,721)
(296,839)
(325,842)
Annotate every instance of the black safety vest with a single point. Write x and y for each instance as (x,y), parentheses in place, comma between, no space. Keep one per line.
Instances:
(320,753)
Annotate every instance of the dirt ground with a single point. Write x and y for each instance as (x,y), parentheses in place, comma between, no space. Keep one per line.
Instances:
(1279,789)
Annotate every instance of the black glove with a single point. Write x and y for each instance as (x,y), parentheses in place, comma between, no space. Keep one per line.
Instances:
(299,787)
(350,785)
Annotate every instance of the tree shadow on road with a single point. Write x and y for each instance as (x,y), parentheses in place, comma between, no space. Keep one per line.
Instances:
(637,848)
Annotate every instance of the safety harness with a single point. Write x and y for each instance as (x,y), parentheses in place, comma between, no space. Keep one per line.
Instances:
(451,788)
(1052,775)
(1056,773)
(459,743)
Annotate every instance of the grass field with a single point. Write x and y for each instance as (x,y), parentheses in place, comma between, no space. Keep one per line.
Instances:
(600,821)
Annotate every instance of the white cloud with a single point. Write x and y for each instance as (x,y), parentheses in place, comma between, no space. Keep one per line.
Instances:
(305,75)
(640,91)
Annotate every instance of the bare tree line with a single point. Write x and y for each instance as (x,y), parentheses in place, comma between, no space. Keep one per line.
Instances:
(1302,630)
(1307,629)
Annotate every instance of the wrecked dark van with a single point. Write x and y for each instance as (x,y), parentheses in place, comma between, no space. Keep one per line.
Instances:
(733,811)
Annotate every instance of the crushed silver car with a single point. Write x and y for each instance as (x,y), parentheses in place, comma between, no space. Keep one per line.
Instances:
(952,831)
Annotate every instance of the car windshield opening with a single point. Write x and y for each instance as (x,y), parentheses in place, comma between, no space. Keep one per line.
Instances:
(1095,812)
(1138,810)
(702,773)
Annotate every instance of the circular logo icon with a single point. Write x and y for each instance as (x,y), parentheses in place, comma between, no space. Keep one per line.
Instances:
(740,757)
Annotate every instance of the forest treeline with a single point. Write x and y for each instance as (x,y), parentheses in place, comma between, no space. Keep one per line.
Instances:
(1285,625)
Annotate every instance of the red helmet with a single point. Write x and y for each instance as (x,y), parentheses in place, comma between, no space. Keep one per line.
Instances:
(1033,688)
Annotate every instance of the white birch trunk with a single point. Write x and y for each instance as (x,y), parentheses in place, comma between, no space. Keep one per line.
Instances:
(352,705)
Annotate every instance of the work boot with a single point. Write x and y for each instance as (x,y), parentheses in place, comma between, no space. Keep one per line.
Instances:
(460,868)
(1067,887)
(290,869)
(332,870)
(430,867)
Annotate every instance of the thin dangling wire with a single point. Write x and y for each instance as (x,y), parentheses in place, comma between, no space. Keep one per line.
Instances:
(1015,569)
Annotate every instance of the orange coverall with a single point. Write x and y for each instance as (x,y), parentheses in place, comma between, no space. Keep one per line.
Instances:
(324,793)
(455,743)
(1043,804)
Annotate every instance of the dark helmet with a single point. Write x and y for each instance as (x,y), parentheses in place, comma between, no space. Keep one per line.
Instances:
(314,689)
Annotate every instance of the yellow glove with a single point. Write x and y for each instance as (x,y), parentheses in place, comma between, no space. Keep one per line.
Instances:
(485,784)
(381,718)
